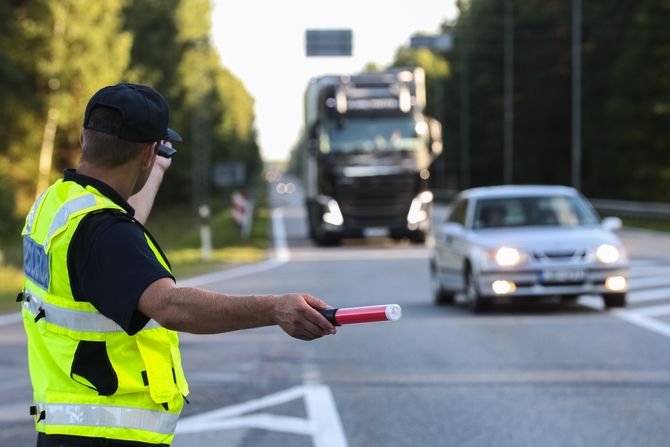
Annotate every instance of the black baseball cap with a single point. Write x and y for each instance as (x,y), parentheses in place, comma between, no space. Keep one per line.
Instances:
(145,114)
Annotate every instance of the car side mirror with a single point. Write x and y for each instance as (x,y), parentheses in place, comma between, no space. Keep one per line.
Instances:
(612,223)
(452,228)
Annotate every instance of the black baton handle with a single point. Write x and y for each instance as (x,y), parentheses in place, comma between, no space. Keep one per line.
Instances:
(330,315)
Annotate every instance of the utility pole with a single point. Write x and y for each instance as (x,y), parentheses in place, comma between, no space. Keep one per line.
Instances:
(465,113)
(508,112)
(576,169)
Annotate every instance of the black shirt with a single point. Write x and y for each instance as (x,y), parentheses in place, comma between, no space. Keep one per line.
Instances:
(110,262)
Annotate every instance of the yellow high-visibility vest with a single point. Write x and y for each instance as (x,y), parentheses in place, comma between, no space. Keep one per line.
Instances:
(89,377)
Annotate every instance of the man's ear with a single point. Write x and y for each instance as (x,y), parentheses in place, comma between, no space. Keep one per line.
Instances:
(148,154)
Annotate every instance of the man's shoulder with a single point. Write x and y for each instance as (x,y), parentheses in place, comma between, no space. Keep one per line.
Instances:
(106,224)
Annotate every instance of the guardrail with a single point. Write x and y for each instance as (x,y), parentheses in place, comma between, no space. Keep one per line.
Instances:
(619,208)
(623,208)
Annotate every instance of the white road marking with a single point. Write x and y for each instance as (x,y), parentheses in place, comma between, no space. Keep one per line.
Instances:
(643,317)
(643,321)
(323,422)
(652,311)
(648,295)
(647,282)
(323,414)
(195,423)
(641,271)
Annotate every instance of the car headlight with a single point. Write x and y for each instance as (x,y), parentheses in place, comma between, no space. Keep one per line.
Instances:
(607,254)
(508,257)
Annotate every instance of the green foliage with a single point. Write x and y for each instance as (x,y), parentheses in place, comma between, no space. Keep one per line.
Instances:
(210,106)
(625,99)
(55,54)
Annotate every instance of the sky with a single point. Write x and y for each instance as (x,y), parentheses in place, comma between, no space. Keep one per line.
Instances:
(262,42)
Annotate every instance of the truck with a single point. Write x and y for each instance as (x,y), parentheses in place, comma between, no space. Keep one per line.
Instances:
(367,149)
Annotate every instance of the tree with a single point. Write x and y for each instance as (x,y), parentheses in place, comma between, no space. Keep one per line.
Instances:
(210,107)
(54,63)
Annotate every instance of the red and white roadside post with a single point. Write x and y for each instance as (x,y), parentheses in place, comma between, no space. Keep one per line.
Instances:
(243,211)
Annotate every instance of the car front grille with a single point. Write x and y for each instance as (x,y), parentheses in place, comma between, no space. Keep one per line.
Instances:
(559,256)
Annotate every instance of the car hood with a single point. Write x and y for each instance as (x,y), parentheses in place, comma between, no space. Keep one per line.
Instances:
(554,239)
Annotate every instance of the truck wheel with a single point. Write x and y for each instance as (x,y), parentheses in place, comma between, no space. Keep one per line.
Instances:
(324,239)
(418,238)
(614,299)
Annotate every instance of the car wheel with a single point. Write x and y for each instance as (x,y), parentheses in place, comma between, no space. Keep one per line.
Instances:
(569,299)
(440,296)
(477,303)
(614,299)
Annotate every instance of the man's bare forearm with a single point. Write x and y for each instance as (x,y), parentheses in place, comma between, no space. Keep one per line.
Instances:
(143,201)
(203,312)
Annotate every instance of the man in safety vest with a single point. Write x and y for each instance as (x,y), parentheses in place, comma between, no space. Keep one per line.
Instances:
(100,305)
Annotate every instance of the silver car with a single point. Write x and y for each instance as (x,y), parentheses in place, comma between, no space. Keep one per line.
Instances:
(505,242)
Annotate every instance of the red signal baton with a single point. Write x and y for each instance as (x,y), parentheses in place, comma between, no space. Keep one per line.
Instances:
(367,314)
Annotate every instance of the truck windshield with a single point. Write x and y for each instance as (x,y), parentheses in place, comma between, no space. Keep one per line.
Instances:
(369,134)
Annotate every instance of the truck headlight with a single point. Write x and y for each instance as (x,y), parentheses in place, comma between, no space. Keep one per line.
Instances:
(508,257)
(607,254)
(417,210)
(333,215)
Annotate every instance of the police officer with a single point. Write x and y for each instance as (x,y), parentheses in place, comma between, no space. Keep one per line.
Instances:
(100,305)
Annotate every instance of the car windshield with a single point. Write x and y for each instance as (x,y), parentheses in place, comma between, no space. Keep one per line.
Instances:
(553,211)
(361,134)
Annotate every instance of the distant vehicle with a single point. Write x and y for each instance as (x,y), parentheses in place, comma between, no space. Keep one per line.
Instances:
(285,188)
(504,242)
(366,152)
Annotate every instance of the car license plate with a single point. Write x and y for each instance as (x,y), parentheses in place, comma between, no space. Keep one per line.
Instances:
(561,276)
(375,232)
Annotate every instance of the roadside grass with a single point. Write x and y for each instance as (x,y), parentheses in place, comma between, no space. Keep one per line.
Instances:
(11,279)
(647,224)
(178,234)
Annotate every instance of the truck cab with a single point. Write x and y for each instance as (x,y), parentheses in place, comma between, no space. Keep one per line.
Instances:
(368,148)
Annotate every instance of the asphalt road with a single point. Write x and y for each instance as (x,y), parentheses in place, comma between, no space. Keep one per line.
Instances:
(524,375)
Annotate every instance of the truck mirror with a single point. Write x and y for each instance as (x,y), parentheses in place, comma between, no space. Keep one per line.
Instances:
(313,138)
(312,145)
(312,134)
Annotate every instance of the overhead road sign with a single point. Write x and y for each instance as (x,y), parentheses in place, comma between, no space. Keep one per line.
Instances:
(437,42)
(328,42)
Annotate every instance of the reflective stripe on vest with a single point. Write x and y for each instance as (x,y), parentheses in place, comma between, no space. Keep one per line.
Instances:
(75,320)
(109,416)
(71,207)
(31,216)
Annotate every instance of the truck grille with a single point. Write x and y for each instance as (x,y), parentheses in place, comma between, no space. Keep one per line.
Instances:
(379,201)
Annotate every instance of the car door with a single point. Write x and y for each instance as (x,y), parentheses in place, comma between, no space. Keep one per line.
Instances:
(450,243)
